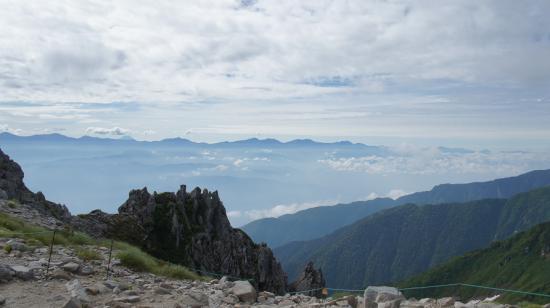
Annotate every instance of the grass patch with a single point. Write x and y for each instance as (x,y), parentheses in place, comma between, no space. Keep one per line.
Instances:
(137,260)
(7,248)
(87,254)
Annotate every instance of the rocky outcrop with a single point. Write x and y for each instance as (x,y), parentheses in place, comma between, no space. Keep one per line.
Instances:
(13,188)
(310,279)
(190,229)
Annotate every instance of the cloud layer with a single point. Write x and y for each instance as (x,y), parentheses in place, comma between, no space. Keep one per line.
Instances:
(466,69)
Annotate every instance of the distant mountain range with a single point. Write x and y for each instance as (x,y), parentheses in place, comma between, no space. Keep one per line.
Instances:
(400,242)
(521,263)
(317,222)
(252,142)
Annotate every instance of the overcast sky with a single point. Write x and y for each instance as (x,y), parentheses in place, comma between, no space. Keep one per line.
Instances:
(468,73)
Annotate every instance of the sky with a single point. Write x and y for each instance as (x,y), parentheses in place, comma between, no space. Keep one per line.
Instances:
(462,73)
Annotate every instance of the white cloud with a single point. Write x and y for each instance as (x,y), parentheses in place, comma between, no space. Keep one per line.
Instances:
(396,193)
(283,209)
(234,214)
(7,129)
(432,160)
(114,131)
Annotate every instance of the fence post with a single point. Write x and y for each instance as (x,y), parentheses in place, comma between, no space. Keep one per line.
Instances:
(51,249)
(109,263)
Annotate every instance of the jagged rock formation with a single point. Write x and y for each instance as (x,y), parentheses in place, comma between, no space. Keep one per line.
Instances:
(190,229)
(310,279)
(13,188)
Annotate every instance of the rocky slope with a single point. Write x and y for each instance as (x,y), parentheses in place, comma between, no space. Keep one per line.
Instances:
(403,241)
(73,282)
(189,228)
(314,223)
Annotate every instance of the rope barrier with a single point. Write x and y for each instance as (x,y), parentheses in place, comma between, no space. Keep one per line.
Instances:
(434,286)
(218,274)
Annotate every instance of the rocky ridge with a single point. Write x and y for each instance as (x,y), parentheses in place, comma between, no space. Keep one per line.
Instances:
(191,229)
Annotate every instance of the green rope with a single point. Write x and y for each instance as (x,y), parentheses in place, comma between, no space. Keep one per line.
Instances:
(432,286)
(505,290)
(219,275)
(436,286)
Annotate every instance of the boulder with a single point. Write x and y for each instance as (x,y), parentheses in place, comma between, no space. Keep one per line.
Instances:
(411,304)
(446,302)
(23,272)
(60,274)
(194,299)
(17,245)
(71,267)
(77,291)
(376,295)
(6,273)
(128,299)
(73,303)
(244,291)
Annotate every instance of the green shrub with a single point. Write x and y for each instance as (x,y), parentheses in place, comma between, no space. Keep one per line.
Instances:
(13,203)
(88,254)
(7,248)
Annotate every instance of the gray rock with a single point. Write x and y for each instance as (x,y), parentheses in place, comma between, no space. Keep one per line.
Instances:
(446,302)
(411,304)
(2,300)
(23,272)
(194,299)
(17,245)
(35,265)
(60,274)
(6,273)
(546,306)
(390,304)
(73,303)
(77,291)
(374,293)
(386,297)
(162,291)
(231,299)
(71,267)
(86,270)
(244,291)
(110,284)
(97,288)
(128,299)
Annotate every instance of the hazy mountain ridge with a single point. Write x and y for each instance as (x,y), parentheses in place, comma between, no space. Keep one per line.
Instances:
(403,241)
(314,223)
